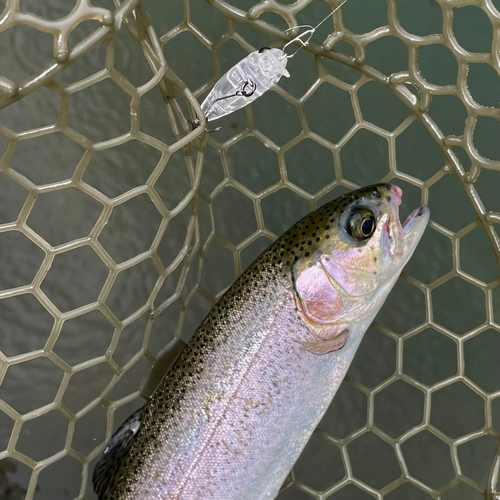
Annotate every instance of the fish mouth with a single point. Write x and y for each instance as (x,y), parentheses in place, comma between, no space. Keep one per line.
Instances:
(401,239)
(413,229)
(393,230)
(421,212)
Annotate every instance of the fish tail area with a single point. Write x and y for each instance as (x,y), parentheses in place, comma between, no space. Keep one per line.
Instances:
(106,469)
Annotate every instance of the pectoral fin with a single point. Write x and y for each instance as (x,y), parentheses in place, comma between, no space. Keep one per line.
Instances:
(324,346)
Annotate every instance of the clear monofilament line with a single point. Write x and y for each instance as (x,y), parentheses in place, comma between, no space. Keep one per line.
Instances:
(309,32)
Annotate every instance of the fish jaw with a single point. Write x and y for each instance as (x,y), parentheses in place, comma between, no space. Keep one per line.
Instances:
(409,234)
(400,240)
(393,226)
(413,230)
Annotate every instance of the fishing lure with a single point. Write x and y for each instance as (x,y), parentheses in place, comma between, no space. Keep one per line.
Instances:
(252,76)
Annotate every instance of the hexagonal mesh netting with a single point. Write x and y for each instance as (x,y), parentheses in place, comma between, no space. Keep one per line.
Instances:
(120,226)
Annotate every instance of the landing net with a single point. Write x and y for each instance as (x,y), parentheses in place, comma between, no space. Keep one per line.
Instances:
(120,226)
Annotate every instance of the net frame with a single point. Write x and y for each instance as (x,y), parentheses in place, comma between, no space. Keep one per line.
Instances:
(173,89)
(169,84)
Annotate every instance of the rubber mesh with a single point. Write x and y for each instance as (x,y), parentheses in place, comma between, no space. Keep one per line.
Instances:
(194,251)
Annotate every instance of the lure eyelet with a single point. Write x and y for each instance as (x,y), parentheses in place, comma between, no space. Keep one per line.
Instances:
(247,89)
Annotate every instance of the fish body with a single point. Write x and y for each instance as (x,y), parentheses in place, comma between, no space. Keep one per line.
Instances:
(238,406)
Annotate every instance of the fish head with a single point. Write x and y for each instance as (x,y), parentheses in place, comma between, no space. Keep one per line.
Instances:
(360,247)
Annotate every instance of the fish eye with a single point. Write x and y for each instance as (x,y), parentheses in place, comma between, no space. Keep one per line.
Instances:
(361,224)
(367,227)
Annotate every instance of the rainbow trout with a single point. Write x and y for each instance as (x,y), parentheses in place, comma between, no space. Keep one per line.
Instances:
(239,404)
